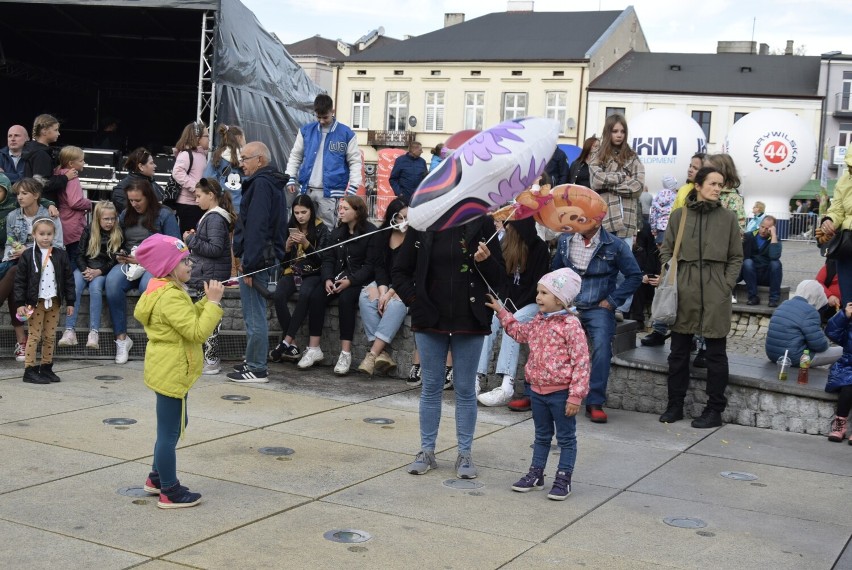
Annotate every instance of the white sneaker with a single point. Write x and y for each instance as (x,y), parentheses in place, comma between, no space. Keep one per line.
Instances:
(92,341)
(734,299)
(122,350)
(344,362)
(211,367)
(69,338)
(20,351)
(496,397)
(310,357)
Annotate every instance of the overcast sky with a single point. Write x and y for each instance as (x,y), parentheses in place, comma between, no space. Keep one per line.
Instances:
(669,25)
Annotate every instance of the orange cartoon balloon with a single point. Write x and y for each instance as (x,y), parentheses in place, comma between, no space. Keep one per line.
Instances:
(567,208)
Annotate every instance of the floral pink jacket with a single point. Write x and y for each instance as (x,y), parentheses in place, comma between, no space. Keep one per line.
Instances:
(559,353)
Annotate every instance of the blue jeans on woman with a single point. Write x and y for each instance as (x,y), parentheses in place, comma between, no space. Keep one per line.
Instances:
(433,349)
(117,286)
(96,300)
(844,279)
(507,358)
(548,412)
(168,433)
(385,326)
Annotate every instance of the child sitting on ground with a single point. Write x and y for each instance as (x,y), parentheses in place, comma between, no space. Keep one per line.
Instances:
(558,372)
(43,279)
(176,329)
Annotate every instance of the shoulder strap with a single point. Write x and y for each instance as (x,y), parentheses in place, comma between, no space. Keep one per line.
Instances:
(670,275)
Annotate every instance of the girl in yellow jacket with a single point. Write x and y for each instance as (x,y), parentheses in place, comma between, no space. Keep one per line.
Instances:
(176,329)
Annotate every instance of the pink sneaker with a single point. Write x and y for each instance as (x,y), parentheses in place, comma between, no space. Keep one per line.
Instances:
(838,429)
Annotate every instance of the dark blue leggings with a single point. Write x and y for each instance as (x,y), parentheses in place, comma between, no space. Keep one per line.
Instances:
(168,433)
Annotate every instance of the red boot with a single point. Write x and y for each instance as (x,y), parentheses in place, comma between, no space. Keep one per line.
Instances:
(596,414)
(522,404)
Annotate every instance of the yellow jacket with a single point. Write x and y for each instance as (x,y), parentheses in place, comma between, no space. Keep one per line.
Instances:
(840,210)
(682,193)
(176,329)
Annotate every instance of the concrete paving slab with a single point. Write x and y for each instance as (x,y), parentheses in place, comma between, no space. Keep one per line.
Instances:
(798,451)
(410,401)
(318,381)
(27,463)
(347,425)
(492,508)
(778,490)
(28,547)
(19,401)
(632,524)
(88,507)
(551,556)
(599,461)
(84,430)
(641,429)
(295,540)
(317,467)
(160,565)
(264,408)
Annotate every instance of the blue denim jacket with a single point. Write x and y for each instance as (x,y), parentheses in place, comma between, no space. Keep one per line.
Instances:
(611,257)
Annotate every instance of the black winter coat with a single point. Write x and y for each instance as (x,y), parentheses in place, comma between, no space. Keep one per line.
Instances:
(38,160)
(579,174)
(356,260)
(210,246)
(522,288)
(436,276)
(27,277)
(104,261)
(261,230)
(312,262)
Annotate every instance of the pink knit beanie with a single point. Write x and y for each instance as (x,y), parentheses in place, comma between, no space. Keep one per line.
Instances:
(159,254)
(563,283)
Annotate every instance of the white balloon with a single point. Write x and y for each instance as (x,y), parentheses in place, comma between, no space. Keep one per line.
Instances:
(775,154)
(665,140)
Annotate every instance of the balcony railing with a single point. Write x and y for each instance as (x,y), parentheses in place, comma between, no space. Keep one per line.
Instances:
(843,103)
(390,138)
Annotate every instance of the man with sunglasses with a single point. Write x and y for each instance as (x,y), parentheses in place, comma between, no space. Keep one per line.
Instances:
(259,239)
(325,161)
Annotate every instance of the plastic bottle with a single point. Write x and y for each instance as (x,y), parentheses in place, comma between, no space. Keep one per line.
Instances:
(804,364)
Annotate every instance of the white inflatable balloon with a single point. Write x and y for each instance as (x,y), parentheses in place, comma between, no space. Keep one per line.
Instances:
(484,173)
(665,140)
(775,153)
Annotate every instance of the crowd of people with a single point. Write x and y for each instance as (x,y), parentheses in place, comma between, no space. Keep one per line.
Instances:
(238,219)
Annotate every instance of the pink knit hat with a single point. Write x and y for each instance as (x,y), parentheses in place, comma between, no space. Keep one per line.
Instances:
(563,283)
(159,254)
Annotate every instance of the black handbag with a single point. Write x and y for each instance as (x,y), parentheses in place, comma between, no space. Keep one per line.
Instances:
(173,187)
(840,246)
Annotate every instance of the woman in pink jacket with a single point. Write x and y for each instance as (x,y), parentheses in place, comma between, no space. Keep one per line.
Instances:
(190,162)
(558,372)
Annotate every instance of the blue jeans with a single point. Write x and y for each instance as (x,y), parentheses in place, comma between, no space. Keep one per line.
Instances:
(771,276)
(548,412)
(117,287)
(844,279)
(385,326)
(507,358)
(96,300)
(433,349)
(257,327)
(168,433)
(599,324)
(625,306)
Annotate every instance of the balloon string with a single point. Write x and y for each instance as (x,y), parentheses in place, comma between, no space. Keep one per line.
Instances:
(504,221)
(303,256)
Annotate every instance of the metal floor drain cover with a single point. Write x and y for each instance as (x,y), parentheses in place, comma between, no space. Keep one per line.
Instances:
(119,421)
(465,484)
(685,522)
(347,535)
(739,476)
(235,398)
(108,377)
(133,492)
(276,451)
(379,421)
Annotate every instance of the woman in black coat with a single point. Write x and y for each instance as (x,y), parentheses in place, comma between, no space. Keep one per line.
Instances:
(348,267)
(140,164)
(444,277)
(302,264)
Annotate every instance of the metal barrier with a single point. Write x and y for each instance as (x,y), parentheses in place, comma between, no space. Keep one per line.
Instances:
(795,227)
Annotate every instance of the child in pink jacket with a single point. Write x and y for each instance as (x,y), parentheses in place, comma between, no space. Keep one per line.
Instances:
(558,373)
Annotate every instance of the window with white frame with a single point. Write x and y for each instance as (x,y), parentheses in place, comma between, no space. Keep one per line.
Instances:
(397,114)
(703,120)
(844,134)
(514,106)
(360,109)
(474,110)
(845,101)
(556,107)
(434,111)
